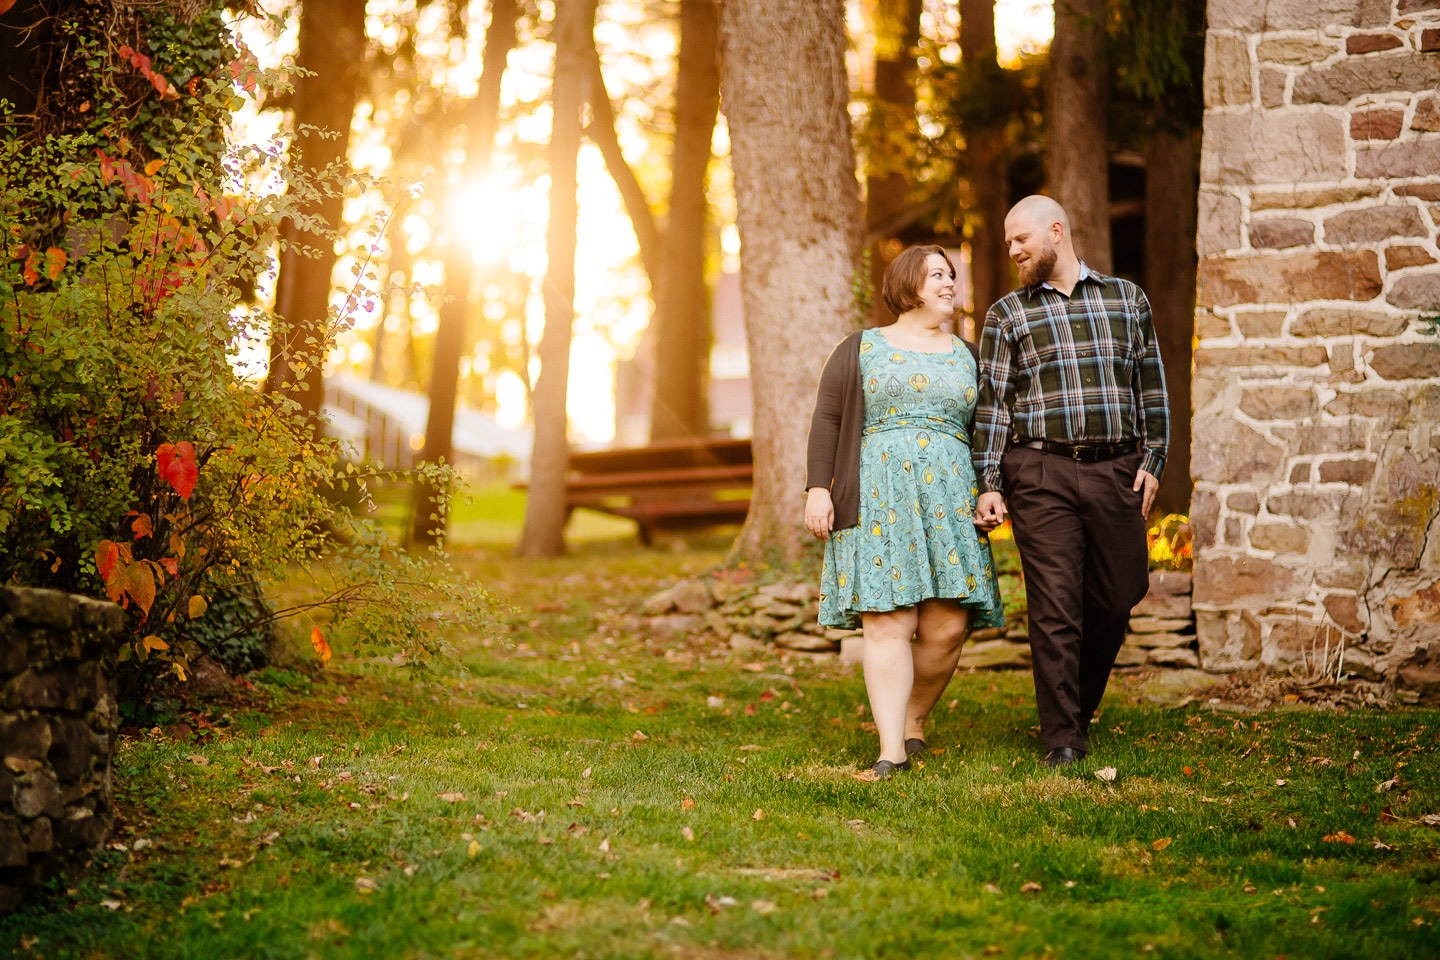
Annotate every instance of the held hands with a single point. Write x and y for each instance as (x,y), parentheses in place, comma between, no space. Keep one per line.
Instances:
(989,511)
(1151,484)
(819,512)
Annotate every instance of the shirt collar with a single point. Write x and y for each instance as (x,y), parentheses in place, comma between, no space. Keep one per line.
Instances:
(1085,274)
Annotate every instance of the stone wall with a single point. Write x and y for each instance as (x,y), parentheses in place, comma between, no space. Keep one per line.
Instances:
(1317,371)
(57,723)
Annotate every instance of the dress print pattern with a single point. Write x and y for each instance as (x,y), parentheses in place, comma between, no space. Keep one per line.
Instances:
(916,538)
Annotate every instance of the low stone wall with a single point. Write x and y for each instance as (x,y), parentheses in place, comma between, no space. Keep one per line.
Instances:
(57,724)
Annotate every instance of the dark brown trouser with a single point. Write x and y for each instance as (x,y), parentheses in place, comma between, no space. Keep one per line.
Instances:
(1082,544)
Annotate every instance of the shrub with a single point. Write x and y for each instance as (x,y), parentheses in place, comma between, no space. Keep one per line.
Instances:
(134,462)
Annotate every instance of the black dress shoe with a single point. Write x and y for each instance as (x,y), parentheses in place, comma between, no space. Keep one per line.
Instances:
(915,746)
(883,770)
(1063,757)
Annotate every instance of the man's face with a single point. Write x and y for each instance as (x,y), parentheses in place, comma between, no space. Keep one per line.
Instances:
(1033,250)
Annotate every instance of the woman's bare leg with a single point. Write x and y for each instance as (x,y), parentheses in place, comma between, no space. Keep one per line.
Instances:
(939,637)
(889,675)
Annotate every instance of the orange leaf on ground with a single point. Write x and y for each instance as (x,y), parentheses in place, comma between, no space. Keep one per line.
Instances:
(687,804)
(1160,844)
(759,814)
(321,645)
(1339,836)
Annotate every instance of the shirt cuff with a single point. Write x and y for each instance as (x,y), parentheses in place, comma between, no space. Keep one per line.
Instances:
(1154,463)
(988,481)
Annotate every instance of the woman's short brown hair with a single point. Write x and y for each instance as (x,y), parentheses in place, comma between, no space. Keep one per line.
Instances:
(900,288)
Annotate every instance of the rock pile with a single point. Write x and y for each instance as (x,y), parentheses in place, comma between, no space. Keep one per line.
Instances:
(1162,626)
(747,618)
(57,723)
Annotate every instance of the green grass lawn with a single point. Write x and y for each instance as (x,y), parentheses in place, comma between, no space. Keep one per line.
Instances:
(585,793)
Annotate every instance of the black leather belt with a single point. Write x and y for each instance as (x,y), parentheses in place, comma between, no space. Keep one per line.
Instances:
(1083,452)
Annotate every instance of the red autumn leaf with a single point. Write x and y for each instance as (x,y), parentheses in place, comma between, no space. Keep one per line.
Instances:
(750,709)
(31,273)
(106,553)
(5,5)
(177,466)
(142,526)
(321,645)
(142,584)
(117,581)
(170,566)
(55,260)
(767,696)
(1339,836)
(1187,771)
(125,51)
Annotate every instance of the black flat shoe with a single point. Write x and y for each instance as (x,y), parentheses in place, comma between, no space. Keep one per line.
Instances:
(883,770)
(915,746)
(1063,757)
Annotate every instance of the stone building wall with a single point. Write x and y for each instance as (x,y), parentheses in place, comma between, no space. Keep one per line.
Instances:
(1317,370)
(57,723)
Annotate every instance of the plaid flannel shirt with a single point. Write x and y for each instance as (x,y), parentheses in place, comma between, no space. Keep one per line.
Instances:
(1078,369)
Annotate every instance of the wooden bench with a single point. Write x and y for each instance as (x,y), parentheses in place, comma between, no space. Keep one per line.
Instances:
(671,485)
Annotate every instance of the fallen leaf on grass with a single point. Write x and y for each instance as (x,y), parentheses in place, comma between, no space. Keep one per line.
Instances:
(198,760)
(365,885)
(605,845)
(688,834)
(111,904)
(1387,785)
(687,804)
(1160,844)
(638,736)
(759,814)
(473,850)
(1030,886)
(1248,888)
(820,893)
(714,702)
(991,888)
(1188,771)
(1382,845)
(1386,816)
(751,709)
(451,796)
(751,746)
(231,863)
(577,802)
(753,667)
(763,907)
(1339,836)
(1281,783)
(767,696)
(585,774)
(1430,819)
(1106,773)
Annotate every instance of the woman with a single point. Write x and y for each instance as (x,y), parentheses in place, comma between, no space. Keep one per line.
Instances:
(891,490)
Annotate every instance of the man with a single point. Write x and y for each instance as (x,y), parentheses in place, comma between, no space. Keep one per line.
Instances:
(1071,432)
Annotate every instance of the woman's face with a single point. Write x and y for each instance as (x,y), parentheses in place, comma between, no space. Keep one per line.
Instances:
(937,291)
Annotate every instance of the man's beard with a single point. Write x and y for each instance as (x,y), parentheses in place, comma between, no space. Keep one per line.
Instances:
(1040,268)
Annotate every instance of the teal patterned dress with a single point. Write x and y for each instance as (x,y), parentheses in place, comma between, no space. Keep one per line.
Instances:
(916,538)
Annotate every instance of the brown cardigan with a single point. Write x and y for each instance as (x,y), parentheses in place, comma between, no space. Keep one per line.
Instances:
(833,456)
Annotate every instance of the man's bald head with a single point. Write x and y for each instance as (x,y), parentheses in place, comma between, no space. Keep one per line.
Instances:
(1039,213)
(1037,237)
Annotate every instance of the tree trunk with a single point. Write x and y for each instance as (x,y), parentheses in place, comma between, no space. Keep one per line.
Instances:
(332,44)
(985,158)
(786,96)
(428,522)
(682,304)
(1170,266)
(897,30)
(545,511)
(1075,106)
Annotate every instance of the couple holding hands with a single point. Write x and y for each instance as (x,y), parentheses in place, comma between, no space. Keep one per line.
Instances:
(920,444)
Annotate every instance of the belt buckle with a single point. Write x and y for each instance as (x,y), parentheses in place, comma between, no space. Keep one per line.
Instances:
(1075,453)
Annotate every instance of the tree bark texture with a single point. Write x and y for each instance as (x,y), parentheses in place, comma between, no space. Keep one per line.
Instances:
(481,119)
(550,457)
(1170,272)
(786,96)
(1075,107)
(892,115)
(682,304)
(985,163)
(332,45)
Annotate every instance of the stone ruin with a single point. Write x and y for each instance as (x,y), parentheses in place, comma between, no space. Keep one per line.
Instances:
(57,724)
(1316,455)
